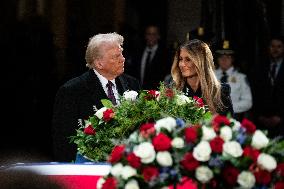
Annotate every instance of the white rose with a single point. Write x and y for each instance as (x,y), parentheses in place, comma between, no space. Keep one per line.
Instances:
(232,148)
(127,172)
(202,151)
(259,140)
(100,183)
(236,126)
(266,162)
(164,159)
(246,179)
(208,133)
(182,99)
(132,184)
(203,174)
(177,142)
(130,95)
(116,169)
(168,123)
(145,151)
(100,112)
(133,137)
(226,133)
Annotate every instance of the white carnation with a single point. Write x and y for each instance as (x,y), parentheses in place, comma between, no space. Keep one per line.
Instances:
(132,184)
(116,169)
(226,133)
(168,123)
(266,162)
(145,151)
(203,174)
(100,183)
(182,99)
(128,172)
(177,142)
(164,159)
(208,133)
(100,112)
(246,179)
(202,151)
(259,140)
(130,95)
(236,126)
(232,148)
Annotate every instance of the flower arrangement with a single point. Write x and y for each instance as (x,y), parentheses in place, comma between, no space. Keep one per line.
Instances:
(218,152)
(110,125)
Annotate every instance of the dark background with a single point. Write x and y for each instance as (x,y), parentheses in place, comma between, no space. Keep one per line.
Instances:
(42,44)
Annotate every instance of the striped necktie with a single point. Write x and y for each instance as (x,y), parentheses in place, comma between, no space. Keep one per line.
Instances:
(110,93)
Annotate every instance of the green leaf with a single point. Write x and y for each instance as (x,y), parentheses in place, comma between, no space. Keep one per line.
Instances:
(107,103)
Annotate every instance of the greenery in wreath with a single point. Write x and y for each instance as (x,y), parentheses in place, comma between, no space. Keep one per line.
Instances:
(111,125)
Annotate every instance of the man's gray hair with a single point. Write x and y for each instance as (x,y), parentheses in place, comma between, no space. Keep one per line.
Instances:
(93,50)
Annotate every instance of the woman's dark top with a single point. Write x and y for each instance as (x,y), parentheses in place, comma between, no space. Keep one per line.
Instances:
(225,97)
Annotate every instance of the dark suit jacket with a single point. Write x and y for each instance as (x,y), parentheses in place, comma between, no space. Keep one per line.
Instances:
(75,100)
(268,99)
(160,66)
(225,97)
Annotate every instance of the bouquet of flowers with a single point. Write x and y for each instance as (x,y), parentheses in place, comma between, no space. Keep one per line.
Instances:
(218,152)
(110,125)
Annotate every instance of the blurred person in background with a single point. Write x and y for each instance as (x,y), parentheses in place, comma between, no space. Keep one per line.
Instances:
(227,73)
(150,64)
(268,89)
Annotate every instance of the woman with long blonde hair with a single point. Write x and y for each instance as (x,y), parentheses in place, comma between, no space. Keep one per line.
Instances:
(193,73)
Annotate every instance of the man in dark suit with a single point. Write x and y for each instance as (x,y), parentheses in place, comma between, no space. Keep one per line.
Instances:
(268,89)
(77,98)
(150,64)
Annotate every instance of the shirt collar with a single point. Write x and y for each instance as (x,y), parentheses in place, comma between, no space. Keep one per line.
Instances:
(153,49)
(230,70)
(102,79)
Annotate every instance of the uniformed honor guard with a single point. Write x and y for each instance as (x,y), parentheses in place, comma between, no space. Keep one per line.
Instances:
(240,90)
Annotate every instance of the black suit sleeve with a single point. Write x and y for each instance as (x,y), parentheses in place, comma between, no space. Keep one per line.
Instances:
(64,124)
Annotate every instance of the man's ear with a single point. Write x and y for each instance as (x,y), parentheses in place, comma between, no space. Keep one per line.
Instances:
(98,64)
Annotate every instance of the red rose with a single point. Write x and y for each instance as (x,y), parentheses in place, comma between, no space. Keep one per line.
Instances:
(116,154)
(89,130)
(279,185)
(230,175)
(147,129)
(216,144)
(280,169)
(188,162)
(161,142)
(133,160)
(169,93)
(146,126)
(108,115)
(151,94)
(249,126)
(251,153)
(149,173)
(219,121)
(262,177)
(199,101)
(110,183)
(190,134)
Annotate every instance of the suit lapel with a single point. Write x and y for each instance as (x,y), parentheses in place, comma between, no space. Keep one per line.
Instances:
(280,72)
(121,84)
(94,87)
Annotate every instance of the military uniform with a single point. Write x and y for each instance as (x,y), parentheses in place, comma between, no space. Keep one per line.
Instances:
(240,89)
